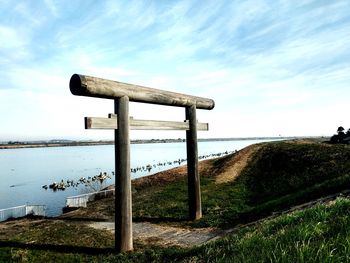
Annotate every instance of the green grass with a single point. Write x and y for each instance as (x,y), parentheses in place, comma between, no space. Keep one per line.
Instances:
(280,174)
(54,241)
(318,234)
(282,168)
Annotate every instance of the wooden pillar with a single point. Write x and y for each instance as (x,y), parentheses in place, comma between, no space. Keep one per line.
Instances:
(194,191)
(123,209)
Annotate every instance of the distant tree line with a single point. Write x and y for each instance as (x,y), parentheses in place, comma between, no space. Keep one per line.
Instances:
(341,136)
(15,142)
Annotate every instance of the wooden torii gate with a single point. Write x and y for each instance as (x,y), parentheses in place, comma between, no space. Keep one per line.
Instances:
(120,121)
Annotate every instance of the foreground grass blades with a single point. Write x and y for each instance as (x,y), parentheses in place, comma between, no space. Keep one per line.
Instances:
(318,234)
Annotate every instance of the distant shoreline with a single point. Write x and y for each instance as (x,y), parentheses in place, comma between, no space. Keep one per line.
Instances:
(41,144)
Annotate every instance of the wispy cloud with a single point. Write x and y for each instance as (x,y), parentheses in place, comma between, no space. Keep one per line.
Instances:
(11,38)
(52,7)
(277,63)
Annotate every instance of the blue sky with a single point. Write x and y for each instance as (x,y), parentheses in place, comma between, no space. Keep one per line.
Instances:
(272,67)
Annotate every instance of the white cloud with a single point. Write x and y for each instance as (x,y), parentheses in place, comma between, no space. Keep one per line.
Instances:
(131,15)
(25,15)
(270,68)
(52,7)
(11,38)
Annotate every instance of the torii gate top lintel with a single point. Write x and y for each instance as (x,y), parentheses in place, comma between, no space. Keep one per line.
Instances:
(82,85)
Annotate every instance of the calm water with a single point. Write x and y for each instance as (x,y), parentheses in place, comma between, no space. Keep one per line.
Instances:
(24,171)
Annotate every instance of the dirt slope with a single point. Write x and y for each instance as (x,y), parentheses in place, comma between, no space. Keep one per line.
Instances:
(224,169)
(236,163)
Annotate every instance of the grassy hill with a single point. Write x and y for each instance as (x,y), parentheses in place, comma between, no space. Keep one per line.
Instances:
(236,189)
(248,185)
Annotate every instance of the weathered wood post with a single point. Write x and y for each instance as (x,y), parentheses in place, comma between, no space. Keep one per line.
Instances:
(123,197)
(194,188)
(121,93)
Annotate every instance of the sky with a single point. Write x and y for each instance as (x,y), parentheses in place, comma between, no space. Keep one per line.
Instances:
(273,68)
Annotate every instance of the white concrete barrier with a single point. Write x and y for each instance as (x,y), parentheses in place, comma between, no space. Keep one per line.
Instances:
(81,200)
(21,211)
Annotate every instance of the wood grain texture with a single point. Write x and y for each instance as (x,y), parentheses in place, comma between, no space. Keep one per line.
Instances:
(82,85)
(194,190)
(123,198)
(112,123)
(101,123)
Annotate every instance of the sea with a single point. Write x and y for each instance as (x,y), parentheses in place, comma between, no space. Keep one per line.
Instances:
(24,172)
